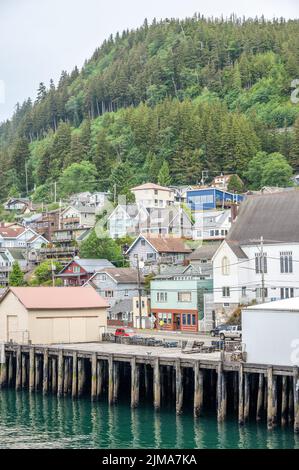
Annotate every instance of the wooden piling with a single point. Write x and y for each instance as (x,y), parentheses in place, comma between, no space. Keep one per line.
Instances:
(66,376)
(18,368)
(221,393)
(81,376)
(259,404)
(291,401)
(284,401)
(10,370)
(24,371)
(46,372)
(110,380)
(241,394)
(100,378)
(31,370)
(54,375)
(94,376)
(38,372)
(157,385)
(246,396)
(3,378)
(296,398)
(134,383)
(60,374)
(179,387)
(270,411)
(198,389)
(74,375)
(115,381)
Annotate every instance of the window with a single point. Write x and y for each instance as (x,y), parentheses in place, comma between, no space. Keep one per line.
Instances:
(258,263)
(193,319)
(76,269)
(184,296)
(259,293)
(225,292)
(151,256)
(161,296)
(142,242)
(286,262)
(109,293)
(126,292)
(225,266)
(286,292)
(102,277)
(244,291)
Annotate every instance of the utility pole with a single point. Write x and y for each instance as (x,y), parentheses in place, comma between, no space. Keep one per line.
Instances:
(139,292)
(263,269)
(26,176)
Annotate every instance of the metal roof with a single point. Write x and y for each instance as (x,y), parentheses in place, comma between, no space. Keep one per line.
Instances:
(273,216)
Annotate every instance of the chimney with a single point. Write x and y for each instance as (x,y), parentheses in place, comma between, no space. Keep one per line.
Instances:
(234,211)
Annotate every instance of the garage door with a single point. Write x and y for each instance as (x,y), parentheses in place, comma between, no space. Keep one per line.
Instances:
(92,329)
(77,330)
(61,330)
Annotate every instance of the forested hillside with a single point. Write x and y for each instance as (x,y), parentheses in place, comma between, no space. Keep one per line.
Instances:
(159,103)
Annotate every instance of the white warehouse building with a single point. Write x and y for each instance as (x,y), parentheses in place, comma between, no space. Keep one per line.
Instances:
(270,333)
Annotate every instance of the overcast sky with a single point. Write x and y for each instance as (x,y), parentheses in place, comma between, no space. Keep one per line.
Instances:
(40,38)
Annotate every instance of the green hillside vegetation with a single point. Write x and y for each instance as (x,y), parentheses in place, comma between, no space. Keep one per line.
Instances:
(160,103)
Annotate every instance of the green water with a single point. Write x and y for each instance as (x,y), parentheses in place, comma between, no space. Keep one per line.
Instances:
(34,421)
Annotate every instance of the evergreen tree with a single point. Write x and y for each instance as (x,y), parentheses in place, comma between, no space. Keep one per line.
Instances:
(294,151)
(16,276)
(164,178)
(61,149)
(19,161)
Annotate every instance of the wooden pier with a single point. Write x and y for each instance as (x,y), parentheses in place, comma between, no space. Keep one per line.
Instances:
(108,371)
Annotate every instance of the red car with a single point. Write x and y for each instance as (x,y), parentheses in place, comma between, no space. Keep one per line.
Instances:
(124,332)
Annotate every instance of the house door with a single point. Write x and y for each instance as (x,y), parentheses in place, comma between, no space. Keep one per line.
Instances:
(12,328)
(177,321)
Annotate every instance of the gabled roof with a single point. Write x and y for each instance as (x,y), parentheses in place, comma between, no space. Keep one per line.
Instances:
(11,232)
(80,208)
(164,244)
(121,275)
(55,298)
(151,186)
(205,251)
(89,265)
(123,305)
(273,216)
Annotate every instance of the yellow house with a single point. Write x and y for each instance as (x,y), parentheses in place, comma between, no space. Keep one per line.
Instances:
(49,315)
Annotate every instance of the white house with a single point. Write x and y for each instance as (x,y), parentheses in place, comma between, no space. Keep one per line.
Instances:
(78,216)
(259,260)
(20,237)
(150,195)
(211,224)
(270,333)
(126,220)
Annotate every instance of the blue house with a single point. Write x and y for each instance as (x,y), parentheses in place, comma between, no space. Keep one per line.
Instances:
(211,198)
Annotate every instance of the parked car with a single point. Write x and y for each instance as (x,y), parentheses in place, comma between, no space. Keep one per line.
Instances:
(124,332)
(233,332)
(216,331)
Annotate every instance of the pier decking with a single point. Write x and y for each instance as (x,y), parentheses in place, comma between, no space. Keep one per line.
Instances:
(250,391)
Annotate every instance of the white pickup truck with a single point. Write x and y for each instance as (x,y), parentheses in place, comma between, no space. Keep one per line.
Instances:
(233,332)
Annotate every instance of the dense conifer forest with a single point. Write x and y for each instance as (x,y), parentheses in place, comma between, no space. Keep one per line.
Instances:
(162,103)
